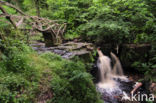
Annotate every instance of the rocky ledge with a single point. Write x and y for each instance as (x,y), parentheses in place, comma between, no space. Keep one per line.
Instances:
(66,50)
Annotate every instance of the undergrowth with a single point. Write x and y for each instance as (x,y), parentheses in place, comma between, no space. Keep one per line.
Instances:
(26,77)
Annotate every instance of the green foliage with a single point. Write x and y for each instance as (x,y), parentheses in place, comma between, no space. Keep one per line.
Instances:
(19,76)
(3,21)
(22,71)
(70,83)
(9,10)
(147,68)
(142,67)
(98,21)
(16,62)
(72,12)
(120,21)
(15,89)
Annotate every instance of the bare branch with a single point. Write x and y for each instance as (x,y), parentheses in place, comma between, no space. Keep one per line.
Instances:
(12,6)
(58,32)
(40,24)
(20,22)
(8,17)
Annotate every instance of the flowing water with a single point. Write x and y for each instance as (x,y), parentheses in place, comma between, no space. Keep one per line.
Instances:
(117,68)
(104,67)
(113,84)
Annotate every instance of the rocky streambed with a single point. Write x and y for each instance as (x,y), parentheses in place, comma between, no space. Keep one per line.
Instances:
(71,49)
(66,50)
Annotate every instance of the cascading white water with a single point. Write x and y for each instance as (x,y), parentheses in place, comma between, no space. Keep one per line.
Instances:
(104,67)
(108,84)
(107,74)
(117,69)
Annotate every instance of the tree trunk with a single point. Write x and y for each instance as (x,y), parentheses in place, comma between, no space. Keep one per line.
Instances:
(37,4)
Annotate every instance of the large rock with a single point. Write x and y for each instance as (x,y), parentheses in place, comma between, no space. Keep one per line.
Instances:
(67,50)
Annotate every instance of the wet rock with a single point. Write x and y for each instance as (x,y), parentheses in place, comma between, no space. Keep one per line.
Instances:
(134,52)
(120,92)
(153,88)
(67,50)
(128,53)
(115,94)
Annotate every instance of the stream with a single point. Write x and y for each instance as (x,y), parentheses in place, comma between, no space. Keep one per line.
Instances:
(115,90)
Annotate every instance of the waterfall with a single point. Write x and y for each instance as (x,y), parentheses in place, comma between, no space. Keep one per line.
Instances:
(112,80)
(117,69)
(107,74)
(104,66)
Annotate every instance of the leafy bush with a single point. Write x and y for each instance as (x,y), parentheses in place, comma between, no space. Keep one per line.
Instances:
(71,83)
(72,12)
(98,21)
(22,71)
(19,76)
(118,21)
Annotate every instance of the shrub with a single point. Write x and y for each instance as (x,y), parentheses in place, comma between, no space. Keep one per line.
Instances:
(71,83)
(22,71)
(118,21)
(19,77)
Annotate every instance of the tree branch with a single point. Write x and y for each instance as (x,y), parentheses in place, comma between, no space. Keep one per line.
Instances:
(20,22)
(37,23)
(8,17)
(12,6)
